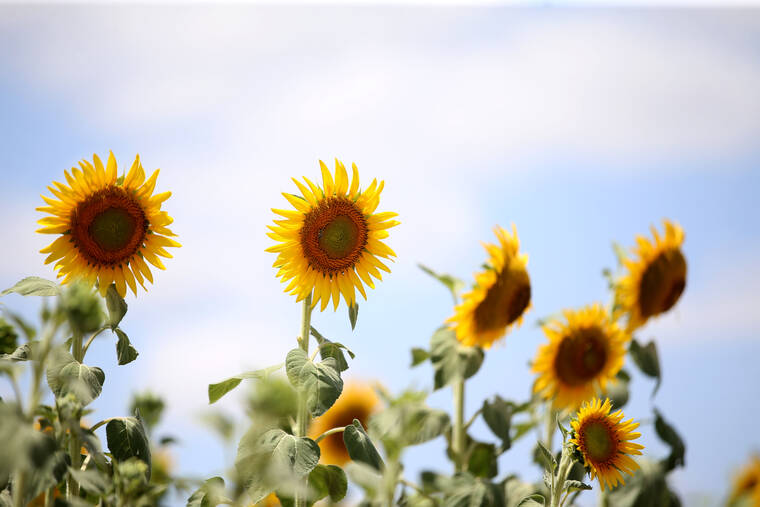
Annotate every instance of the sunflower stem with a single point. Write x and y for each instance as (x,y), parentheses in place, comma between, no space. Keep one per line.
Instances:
(565,464)
(327,433)
(551,428)
(302,421)
(77,350)
(458,431)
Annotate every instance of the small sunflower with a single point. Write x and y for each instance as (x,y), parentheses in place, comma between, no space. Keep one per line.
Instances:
(656,278)
(108,227)
(332,240)
(747,483)
(603,442)
(582,356)
(500,297)
(357,401)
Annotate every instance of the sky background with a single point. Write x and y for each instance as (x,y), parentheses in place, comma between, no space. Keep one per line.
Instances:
(581,126)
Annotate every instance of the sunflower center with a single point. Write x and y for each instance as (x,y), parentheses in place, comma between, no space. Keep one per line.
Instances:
(108,227)
(662,283)
(334,235)
(598,441)
(505,301)
(582,355)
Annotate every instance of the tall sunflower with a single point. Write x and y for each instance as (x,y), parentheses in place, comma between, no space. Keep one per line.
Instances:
(656,276)
(582,356)
(603,442)
(109,227)
(332,240)
(500,297)
(357,401)
(747,484)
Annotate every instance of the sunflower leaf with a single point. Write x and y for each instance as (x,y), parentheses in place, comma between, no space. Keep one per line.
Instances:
(670,436)
(455,285)
(353,314)
(498,416)
(532,501)
(360,447)
(320,382)
(648,361)
(127,438)
(451,360)
(125,352)
(419,356)
(67,375)
(327,480)
(216,391)
(34,286)
(576,486)
(545,457)
(210,494)
(117,307)
(328,348)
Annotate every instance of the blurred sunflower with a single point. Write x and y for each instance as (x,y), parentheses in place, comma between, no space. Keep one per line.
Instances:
(357,401)
(269,501)
(108,227)
(603,442)
(582,356)
(332,240)
(500,297)
(656,278)
(747,484)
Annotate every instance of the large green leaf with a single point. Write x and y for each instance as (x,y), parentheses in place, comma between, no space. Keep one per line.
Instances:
(328,480)
(497,414)
(273,460)
(328,348)
(127,439)
(360,447)
(320,382)
(34,286)
(409,422)
(648,361)
(67,375)
(452,360)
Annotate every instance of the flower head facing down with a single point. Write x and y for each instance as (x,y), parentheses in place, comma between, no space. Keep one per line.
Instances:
(747,483)
(500,297)
(603,442)
(584,353)
(656,276)
(108,228)
(357,401)
(332,241)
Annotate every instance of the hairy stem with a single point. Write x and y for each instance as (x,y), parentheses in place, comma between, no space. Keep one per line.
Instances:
(74,447)
(565,464)
(302,421)
(330,432)
(458,430)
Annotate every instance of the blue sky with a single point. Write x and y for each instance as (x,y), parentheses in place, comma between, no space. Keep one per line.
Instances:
(581,126)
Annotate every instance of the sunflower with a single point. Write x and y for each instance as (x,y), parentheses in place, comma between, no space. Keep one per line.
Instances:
(582,355)
(357,401)
(108,227)
(332,240)
(747,483)
(500,297)
(656,278)
(603,442)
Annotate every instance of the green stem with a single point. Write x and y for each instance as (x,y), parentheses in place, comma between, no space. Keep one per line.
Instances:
(551,426)
(565,464)
(72,490)
(457,434)
(302,421)
(90,340)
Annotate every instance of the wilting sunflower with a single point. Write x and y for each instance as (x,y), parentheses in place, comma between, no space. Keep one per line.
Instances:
(500,297)
(603,442)
(357,401)
(747,483)
(109,227)
(582,356)
(656,278)
(332,240)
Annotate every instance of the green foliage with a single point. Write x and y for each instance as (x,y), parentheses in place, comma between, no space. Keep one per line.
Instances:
(647,487)
(125,352)
(451,360)
(668,434)
(117,307)
(328,480)
(216,391)
(419,356)
(320,382)
(360,447)
(497,413)
(353,314)
(34,286)
(210,494)
(648,361)
(67,375)
(150,406)
(127,439)
(618,391)
(455,285)
(535,500)
(8,337)
(82,307)
(332,349)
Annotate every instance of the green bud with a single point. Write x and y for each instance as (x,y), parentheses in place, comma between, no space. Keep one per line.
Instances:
(8,337)
(83,308)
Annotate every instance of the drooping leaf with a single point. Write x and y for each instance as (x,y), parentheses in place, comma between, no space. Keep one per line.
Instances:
(34,286)
(648,361)
(320,382)
(576,486)
(127,438)
(125,352)
(67,375)
(216,391)
(532,501)
(482,460)
(335,350)
(419,356)
(353,314)
(360,447)
(670,436)
(210,494)
(497,414)
(452,360)
(117,307)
